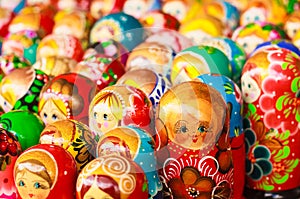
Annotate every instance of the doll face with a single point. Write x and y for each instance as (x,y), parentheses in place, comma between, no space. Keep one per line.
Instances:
(101,31)
(135,8)
(5,105)
(96,193)
(32,186)
(104,120)
(100,8)
(250,88)
(291,28)
(249,43)
(253,14)
(195,128)
(175,8)
(50,113)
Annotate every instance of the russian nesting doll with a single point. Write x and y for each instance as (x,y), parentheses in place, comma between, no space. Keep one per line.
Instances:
(112,176)
(73,136)
(119,105)
(66,96)
(270,90)
(20,89)
(135,144)
(46,172)
(193,149)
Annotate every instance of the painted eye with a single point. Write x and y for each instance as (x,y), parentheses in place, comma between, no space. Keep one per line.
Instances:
(249,85)
(245,45)
(21,183)
(45,115)
(105,116)
(54,117)
(202,129)
(37,185)
(256,18)
(183,129)
(95,115)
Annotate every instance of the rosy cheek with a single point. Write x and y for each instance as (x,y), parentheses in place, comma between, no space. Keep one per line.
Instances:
(252,95)
(105,124)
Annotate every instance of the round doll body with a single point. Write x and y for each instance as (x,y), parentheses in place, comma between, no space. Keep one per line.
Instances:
(41,171)
(73,136)
(270,90)
(137,145)
(193,149)
(120,105)
(24,125)
(152,83)
(66,96)
(20,89)
(112,176)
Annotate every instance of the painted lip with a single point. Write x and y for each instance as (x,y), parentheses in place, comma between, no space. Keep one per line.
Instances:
(31,195)
(195,139)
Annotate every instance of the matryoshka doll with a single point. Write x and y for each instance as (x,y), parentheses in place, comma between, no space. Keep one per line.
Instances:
(252,34)
(101,8)
(54,65)
(292,24)
(120,105)
(151,55)
(156,20)
(108,47)
(9,62)
(202,27)
(233,98)
(20,89)
(193,149)
(270,90)
(60,46)
(174,39)
(197,60)
(66,96)
(103,70)
(23,43)
(112,176)
(137,145)
(34,18)
(45,171)
(233,51)
(10,149)
(73,22)
(138,8)
(227,13)
(24,125)
(119,26)
(177,8)
(269,11)
(73,136)
(154,84)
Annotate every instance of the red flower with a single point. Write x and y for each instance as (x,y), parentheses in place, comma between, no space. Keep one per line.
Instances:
(8,143)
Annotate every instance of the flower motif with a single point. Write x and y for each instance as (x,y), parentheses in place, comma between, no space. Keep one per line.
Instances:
(281,104)
(192,185)
(8,143)
(258,162)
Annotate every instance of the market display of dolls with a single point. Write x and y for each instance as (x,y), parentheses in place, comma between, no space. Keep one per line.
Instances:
(149,99)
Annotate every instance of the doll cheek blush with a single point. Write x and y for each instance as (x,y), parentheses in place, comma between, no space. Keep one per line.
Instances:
(105,124)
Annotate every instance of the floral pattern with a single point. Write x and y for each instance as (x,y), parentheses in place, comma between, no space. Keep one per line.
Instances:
(9,147)
(192,185)
(282,106)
